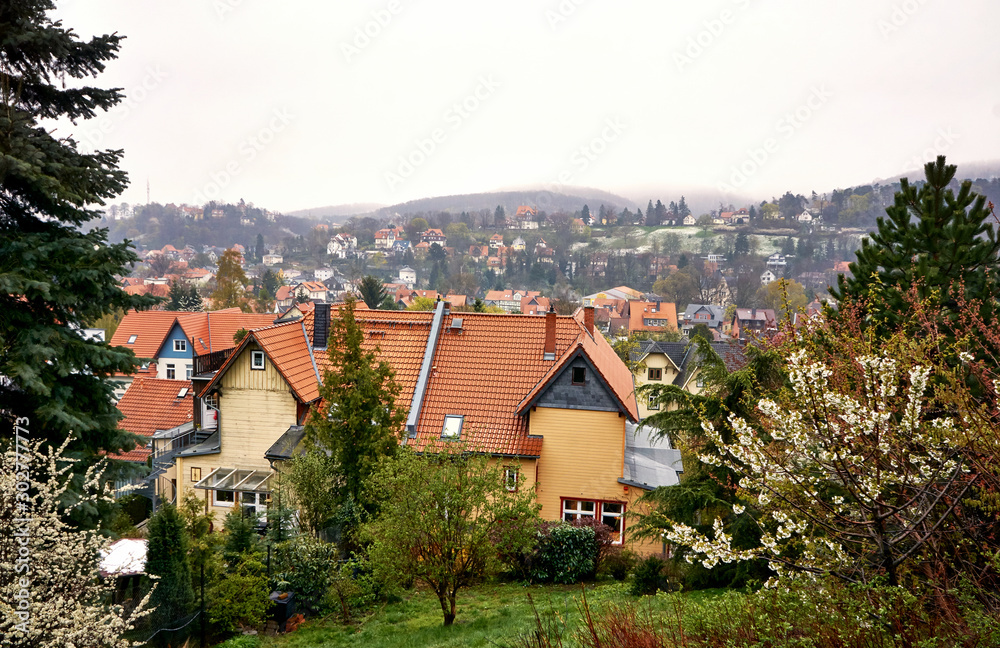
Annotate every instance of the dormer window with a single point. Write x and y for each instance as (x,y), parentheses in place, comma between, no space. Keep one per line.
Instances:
(180,345)
(452,428)
(579,375)
(256,359)
(132,338)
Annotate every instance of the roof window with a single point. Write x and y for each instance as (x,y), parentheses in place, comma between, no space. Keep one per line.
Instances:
(452,428)
(132,338)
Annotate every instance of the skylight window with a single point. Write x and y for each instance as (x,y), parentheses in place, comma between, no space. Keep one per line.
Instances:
(183,392)
(452,428)
(132,338)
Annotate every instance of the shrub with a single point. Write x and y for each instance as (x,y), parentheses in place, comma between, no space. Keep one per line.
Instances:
(564,554)
(648,576)
(619,563)
(307,567)
(603,539)
(241,599)
(243,641)
(241,537)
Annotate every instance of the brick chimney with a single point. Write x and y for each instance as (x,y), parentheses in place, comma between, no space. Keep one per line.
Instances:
(550,334)
(588,318)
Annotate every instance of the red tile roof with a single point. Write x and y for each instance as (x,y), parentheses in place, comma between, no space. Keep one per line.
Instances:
(150,329)
(152,404)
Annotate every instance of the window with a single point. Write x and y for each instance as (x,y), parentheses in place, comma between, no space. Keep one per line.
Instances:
(180,345)
(452,428)
(196,474)
(187,373)
(510,478)
(652,405)
(132,338)
(171,372)
(579,375)
(256,359)
(655,374)
(609,513)
(576,509)
(223,498)
(700,381)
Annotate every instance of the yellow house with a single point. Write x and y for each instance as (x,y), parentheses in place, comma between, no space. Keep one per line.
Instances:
(544,395)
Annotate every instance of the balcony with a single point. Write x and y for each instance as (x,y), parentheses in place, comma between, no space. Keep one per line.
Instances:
(206,365)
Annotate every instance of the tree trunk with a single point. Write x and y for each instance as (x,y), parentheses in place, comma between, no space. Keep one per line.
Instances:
(446,609)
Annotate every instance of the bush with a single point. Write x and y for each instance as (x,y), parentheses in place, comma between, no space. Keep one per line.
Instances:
(564,554)
(241,599)
(648,576)
(603,539)
(136,507)
(244,641)
(307,567)
(619,563)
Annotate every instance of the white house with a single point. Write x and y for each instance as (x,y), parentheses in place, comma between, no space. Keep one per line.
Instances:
(767,277)
(776,261)
(272,259)
(408,276)
(322,274)
(805,217)
(689,220)
(342,245)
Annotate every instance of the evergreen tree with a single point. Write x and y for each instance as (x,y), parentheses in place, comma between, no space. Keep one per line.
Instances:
(167,558)
(176,296)
(372,291)
(650,218)
(741,247)
(259,248)
(359,422)
(192,301)
(55,277)
(499,217)
(933,241)
(682,208)
(585,215)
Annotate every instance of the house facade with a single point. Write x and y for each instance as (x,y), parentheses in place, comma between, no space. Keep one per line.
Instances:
(546,397)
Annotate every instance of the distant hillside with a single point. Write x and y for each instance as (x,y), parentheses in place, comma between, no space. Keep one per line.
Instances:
(337,211)
(571,199)
(986,170)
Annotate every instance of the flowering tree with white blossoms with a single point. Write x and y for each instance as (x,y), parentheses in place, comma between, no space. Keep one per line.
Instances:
(50,593)
(856,471)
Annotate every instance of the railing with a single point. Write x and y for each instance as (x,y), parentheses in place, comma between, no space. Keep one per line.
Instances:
(167,445)
(210,362)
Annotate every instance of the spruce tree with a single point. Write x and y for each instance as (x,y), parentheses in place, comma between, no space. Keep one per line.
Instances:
(167,558)
(55,277)
(359,422)
(938,243)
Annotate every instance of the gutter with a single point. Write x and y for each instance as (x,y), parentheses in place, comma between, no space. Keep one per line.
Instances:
(425,372)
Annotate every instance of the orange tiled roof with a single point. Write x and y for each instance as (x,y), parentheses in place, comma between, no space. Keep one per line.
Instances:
(151,404)
(149,327)
(214,330)
(641,310)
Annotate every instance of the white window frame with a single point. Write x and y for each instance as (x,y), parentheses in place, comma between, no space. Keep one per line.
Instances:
(180,345)
(511,475)
(187,372)
(652,404)
(254,357)
(573,509)
(217,502)
(171,372)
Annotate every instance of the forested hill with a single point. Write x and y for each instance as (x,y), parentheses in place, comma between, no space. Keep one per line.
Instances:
(540,198)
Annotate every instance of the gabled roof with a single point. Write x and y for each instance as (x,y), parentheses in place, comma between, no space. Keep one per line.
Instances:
(151,404)
(675,351)
(214,330)
(639,311)
(150,329)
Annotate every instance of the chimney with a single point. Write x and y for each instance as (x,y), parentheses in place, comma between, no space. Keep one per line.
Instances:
(550,335)
(321,326)
(588,319)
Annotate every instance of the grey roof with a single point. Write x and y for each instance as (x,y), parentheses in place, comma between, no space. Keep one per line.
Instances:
(650,461)
(673,350)
(717,313)
(211,445)
(287,445)
(732,353)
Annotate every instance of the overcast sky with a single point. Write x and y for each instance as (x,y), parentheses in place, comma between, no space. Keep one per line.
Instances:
(302,104)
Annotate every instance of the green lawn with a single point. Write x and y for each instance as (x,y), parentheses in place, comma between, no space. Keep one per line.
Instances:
(488,616)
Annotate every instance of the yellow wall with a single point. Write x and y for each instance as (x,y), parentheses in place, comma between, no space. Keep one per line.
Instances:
(255,409)
(582,456)
(655,361)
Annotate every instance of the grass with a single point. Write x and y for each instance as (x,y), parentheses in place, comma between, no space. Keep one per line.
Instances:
(488,616)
